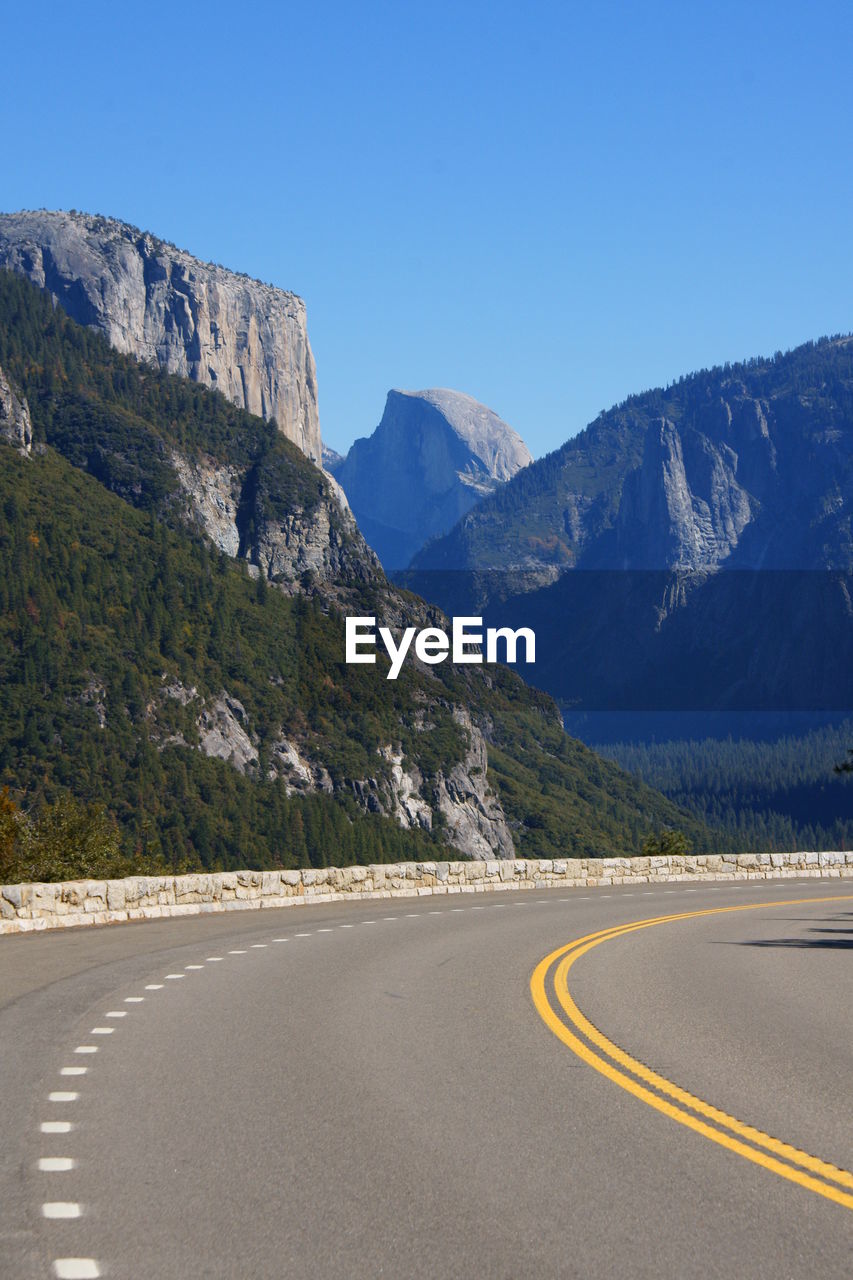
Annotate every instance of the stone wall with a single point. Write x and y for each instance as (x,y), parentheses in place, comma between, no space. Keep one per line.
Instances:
(28,907)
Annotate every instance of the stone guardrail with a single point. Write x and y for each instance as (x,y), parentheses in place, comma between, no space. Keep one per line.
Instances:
(28,907)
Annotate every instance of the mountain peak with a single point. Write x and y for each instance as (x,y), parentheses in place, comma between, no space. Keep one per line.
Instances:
(501,449)
(433,456)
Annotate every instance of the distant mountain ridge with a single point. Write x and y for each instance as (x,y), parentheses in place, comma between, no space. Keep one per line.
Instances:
(433,456)
(645,548)
(694,476)
(160,304)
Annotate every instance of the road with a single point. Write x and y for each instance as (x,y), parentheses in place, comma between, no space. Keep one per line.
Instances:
(375,1090)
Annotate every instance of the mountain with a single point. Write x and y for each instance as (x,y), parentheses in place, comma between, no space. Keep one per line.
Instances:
(174,576)
(690,550)
(331,459)
(165,307)
(433,456)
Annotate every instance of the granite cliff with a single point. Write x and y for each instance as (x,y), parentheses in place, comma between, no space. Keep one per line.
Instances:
(165,307)
(434,455)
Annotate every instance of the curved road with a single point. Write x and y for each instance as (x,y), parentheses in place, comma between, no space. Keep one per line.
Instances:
(375,1089)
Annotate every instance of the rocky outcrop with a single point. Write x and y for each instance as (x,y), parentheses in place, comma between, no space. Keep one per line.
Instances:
(473,820)
(214,494)
(684,507)
(15,424)
(472,812)
(165,307)
(433,456)
(410,808)
(222,729)
(300,774)
(319,538)
(318,542)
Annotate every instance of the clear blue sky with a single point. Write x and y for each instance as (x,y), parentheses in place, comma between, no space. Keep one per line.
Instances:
(548,205)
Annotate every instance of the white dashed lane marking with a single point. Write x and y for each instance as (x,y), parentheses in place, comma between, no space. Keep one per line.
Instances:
(193,966)
(61,1095)
(259,946)
(76,1269)
(154,986)
(173,977)
(117,1013)
(73,1071)
(55,1126)
(60,1209)
(134,999)
(236,953)
(102,1031)
(55,1164)
(212,959)
(86,1048)
(324,930)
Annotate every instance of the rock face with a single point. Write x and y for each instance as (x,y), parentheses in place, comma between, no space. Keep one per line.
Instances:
(165,307)
(320,539)
(683,508)
(15,424)
(473,818)
(214,493)
(471,810)
(223,736)
(432,457)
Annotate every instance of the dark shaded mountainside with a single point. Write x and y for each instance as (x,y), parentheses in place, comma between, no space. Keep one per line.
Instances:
(173,579)
(691,550)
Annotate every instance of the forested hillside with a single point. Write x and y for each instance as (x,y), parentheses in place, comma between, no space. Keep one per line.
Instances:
(778,793)
(211,712)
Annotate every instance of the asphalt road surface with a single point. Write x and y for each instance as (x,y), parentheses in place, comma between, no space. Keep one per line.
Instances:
(403,1088)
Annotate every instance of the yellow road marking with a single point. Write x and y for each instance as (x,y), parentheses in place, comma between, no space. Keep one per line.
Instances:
(566,956)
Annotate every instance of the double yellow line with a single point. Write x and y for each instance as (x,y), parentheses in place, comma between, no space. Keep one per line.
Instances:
(677,1103)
